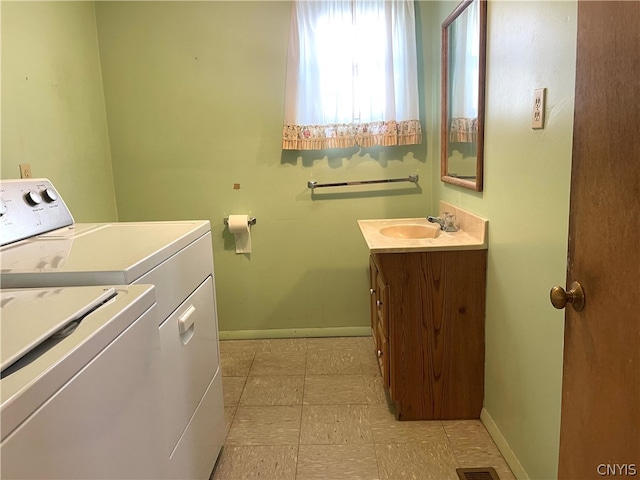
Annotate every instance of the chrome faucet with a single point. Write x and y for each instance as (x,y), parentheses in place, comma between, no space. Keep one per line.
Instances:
(447,224)
(437,220)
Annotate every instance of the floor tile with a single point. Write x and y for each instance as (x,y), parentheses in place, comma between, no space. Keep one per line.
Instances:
(273,462)
(386,429)
(232,389)
(365,343)
(283,345)
(334,389)
(273,390)
(229,413)
(336,462)
(279,363)
(417,461)
(374,390)
(466,432)
(333,362)
(335,424)
(270,425)
(474,447)
(236,363)
(369,362)
(333,343)
(228,347)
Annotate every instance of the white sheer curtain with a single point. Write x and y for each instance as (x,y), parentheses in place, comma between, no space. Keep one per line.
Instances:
(351,75)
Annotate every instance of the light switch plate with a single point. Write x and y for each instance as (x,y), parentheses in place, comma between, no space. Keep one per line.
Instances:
(537,118)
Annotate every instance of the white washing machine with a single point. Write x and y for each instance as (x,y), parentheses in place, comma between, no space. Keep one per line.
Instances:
(43,247)
(79,382)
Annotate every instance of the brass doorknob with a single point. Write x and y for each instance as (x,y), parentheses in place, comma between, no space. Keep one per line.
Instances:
(575,296)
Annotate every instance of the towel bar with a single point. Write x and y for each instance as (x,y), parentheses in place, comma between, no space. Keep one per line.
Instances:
(411,178)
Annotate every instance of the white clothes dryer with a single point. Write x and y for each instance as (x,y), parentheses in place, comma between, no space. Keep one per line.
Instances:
(43,247)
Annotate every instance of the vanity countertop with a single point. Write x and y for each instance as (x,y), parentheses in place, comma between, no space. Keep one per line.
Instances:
(472,234)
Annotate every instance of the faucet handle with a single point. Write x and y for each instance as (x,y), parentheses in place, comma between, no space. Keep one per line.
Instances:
(449,222)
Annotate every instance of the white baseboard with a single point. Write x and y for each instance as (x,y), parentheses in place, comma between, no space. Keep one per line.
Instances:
(296,333)
(503,446)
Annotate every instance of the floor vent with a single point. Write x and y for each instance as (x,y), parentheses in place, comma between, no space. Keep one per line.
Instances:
(485,473)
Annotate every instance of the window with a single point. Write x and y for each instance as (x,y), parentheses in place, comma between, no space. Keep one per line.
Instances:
(351,75)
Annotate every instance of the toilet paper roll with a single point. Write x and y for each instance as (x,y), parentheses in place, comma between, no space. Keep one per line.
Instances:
(239,226)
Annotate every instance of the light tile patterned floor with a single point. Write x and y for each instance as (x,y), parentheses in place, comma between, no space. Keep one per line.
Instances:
(315,408)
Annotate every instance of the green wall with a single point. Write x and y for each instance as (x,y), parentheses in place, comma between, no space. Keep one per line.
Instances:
(526,199)
(53,113)
(195,95)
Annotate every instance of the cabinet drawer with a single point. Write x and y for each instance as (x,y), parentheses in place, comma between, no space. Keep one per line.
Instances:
(383,356)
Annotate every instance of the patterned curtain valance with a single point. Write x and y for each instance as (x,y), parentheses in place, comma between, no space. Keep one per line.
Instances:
(320,137)
(463,130)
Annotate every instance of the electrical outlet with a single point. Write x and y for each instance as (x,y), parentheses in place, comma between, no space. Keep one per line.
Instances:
(25,170)
(537,118)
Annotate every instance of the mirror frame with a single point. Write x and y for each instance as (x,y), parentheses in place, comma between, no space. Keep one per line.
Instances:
(476,184)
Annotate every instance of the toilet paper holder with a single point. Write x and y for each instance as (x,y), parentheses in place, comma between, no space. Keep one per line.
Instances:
(251,221)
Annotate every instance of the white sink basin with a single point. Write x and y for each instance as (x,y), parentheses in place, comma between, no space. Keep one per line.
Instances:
(405,235)
(411,231)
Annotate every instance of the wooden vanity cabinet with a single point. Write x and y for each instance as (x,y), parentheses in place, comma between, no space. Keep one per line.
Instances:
(427,320)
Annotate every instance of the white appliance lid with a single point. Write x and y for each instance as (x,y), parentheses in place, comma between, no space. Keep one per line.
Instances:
(117,253)
(26,384)
(31,316)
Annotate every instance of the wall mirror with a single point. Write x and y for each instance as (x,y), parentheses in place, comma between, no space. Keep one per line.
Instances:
(463,85)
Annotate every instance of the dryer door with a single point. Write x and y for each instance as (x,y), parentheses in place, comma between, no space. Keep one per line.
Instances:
(190,359)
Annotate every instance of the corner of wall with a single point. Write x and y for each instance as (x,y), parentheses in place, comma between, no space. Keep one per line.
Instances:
(106,115)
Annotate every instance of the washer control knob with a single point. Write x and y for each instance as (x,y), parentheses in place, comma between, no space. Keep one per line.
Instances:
(49,194)
(33,198)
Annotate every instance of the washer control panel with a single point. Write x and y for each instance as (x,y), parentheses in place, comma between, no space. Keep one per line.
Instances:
(30,207)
